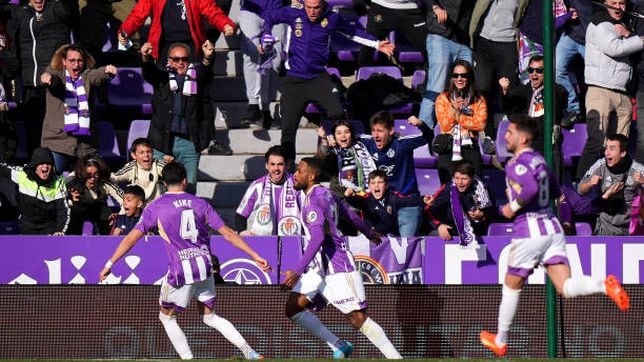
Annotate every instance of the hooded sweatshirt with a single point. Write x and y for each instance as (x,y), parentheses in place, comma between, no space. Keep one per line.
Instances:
(42,204)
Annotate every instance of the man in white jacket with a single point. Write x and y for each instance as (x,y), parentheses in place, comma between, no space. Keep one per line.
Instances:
(608,70)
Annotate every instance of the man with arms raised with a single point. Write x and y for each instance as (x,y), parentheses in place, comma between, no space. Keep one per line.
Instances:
(538,235)
(271,201)
(332,275)
(183,221)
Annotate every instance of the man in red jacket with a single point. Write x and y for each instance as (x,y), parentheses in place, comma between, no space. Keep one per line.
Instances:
(173,22)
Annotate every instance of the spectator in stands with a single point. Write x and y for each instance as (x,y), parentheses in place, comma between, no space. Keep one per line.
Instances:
(608,70)
(42,195)
(178,127)
(462,207)
(89,189)
(311,25)
(133,202)
(37,29)
(527,99)
(461,112)
(259,77)
(271,202)
(395,155)
(572,44)
(618,178)
(384,16)
(144,170)
(348,161)
(175,22)
(494,34)
(69,129)
(379,206)
(8,70)
(448,40)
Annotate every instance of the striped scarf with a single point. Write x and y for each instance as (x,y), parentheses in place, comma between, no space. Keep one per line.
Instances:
(190,83)
(76,107)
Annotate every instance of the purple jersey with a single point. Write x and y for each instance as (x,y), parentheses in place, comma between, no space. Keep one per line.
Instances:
(183,221)
(532,185)
(321,213)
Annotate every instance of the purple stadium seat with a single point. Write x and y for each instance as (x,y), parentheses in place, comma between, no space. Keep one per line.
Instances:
(583,229)
(10,227)
(406,52)
(21,149)
(312,107)
(428,181)
(390,70)
(418,80)
(500,229)
(108,145)
(495,181)
(138,128)
(357,126)
(502,153)
(129,91)
(422,157)
(573,143)
(88,228)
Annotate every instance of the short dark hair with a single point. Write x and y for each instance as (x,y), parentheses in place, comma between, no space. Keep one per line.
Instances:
(465,167)
(383,118)
(142,141)
(174,173)
(623,140)
(343,122)
(276,150)
(536,58)
(378,173)
(525,124)
(315,165)
(136,191)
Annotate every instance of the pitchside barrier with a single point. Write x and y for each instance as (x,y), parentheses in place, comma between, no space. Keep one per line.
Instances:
(439,315)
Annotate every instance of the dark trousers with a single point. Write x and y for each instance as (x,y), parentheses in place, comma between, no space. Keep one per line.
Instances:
(33,110)
(296,94)
(494,60)
(445,164)
(381,21)
(593,150)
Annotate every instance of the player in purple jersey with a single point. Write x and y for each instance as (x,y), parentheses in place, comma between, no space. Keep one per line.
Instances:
(539,237)
(183,221)
(331,273)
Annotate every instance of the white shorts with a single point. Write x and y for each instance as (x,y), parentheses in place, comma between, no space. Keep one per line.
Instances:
(179,298)
(527,253)
(344,290)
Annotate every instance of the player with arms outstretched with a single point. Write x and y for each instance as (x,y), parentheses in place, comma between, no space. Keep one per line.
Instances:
(538,235)
(183,221)
(332,272)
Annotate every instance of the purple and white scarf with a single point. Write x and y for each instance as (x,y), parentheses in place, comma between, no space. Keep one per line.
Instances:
(76,107)
(462,221)
(286,219)
(189,84)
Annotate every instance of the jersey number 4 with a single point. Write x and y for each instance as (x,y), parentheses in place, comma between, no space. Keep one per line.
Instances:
(189,229)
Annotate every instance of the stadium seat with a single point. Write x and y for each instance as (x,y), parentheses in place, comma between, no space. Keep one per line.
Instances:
(502,153)
(108,144)
(495,181)
(583,229)
(418,80)
(423,158)
(406,52)
(428,181)
(573,143)
(88,228)
(366,72)
(11,227)
(314,108)
(138,129)
(129,92)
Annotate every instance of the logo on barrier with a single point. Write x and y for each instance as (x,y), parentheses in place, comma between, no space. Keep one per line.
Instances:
(372,272)
(244,271)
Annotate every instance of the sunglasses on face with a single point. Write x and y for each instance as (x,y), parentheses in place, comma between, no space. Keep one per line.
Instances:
(180,59)
(460,75)
(532,70)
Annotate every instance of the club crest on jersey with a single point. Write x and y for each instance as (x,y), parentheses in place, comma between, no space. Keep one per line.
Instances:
(311,216)
(289,226)
(264,214)
(298,27)
(520,170)
(324,22)
(391,153)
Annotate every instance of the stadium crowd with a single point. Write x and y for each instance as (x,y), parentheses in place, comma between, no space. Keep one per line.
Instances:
(483,63)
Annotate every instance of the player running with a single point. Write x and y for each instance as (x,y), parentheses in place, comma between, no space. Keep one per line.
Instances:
(538,235)
(183,221)
(332,273)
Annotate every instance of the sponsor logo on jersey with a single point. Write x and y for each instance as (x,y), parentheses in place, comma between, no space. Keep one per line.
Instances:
(372,272)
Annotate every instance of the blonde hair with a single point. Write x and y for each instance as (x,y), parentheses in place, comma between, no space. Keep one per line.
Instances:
(61,54)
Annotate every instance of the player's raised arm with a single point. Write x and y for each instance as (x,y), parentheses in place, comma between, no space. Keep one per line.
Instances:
(234,239)
(124,247)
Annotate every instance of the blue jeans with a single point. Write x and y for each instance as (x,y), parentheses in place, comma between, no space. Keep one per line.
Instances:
(441,54)
(408,218)
(63,162)
(566,50)
(184,151)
